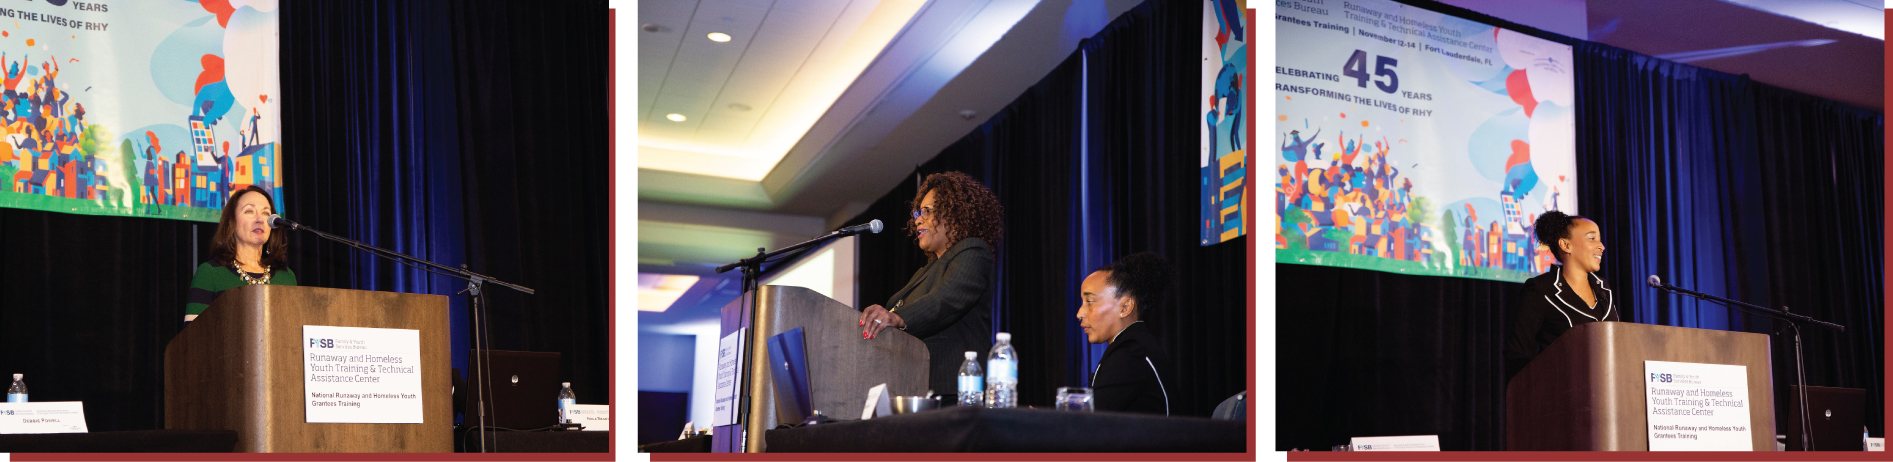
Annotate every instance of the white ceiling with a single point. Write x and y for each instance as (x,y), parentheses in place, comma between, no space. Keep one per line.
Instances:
(952,56)
(1862,17)
(1759,39)
(744,102)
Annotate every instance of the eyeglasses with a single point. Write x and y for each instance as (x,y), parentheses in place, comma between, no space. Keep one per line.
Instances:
(923,211)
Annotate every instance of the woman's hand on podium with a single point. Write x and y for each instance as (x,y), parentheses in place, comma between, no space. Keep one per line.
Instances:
(874,318)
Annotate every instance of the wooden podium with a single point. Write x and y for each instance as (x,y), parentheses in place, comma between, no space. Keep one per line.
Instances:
(842,366)
(1586,391)
(239,367)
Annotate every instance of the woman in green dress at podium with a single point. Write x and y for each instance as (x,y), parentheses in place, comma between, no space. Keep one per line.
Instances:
(956,221)
(1568,294)
(244,251)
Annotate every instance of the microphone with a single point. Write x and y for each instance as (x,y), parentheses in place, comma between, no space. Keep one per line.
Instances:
(870,227)
(1655,281)
(277,221)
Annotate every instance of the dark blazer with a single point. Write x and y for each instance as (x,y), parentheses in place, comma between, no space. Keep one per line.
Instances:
(1546,308)
(948,305)
(1131,377)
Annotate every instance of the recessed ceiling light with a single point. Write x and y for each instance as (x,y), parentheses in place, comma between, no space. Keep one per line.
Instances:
(739,107)
(675,117)
(719,37)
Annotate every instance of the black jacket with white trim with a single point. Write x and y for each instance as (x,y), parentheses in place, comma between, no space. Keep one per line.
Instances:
(1134,374)
(1547,307)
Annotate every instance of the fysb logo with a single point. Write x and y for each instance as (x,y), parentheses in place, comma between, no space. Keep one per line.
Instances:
(322,343)
(1664,378)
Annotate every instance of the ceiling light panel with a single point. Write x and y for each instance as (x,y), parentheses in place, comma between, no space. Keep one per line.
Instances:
(657,292)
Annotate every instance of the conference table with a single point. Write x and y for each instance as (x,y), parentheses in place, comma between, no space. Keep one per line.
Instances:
(977,429)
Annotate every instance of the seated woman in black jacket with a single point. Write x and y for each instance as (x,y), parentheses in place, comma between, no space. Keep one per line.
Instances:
(1134,374)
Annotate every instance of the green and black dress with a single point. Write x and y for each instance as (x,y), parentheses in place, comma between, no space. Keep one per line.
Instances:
(212,280)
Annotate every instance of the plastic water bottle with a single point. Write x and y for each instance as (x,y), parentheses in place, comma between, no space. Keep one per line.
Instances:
(17,392)
(972,386)
(566,400)
(1002,374)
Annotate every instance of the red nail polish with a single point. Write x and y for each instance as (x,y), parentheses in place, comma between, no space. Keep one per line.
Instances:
(860,323)
(864,334)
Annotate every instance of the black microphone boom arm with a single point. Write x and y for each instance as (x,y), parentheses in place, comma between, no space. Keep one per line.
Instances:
(1749,307)
(461,273)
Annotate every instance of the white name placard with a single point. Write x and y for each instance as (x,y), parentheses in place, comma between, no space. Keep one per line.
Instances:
(878,404)
(42,417)
(1396,443)
(595,417)
(729,362)
(1876,444)
(1697,407)
(361,375)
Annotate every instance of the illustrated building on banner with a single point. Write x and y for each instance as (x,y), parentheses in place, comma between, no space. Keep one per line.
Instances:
(89,129)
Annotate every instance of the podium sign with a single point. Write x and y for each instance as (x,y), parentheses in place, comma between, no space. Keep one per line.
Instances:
(1697,407)
(729,361)
(361,375)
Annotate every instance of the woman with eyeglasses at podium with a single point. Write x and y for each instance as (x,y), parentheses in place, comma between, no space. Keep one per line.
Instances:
(245,251)
(956,222)
(1569,294)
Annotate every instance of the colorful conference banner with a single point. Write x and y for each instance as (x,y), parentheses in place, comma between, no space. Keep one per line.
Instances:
(1226,123)
(1416,142)
(154,108)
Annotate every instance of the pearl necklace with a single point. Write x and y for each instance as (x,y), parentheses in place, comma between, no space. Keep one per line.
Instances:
(250,280)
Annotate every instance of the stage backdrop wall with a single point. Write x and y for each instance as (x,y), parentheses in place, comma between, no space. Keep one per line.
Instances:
(379,94)
(153,109)
(1095,162)
(1712,180)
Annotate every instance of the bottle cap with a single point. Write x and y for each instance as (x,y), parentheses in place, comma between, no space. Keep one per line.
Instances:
(566,384)
(971,355)
(1003,336)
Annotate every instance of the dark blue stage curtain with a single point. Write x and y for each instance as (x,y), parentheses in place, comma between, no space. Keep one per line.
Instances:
(1727,186)
(368,115)
(462,133)
(1707,179)
(1076,202)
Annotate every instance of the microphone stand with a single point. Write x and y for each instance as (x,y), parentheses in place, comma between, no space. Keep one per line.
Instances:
(752,276)
(1800,370)
(474,283)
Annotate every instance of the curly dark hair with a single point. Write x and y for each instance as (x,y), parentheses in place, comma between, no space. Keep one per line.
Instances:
(966,207)
(1145,277)
(223,245)
(1551,227)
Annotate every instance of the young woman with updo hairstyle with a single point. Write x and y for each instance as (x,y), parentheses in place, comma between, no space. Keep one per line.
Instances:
(1568,294)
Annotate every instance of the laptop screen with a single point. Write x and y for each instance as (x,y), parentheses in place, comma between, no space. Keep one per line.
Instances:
(521,389)
(1839,416)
